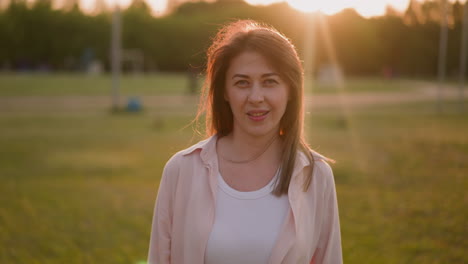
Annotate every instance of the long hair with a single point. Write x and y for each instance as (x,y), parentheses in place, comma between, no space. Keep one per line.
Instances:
(248,35)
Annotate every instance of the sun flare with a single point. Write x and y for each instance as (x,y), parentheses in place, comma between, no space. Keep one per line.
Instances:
(366,8)
(327,7)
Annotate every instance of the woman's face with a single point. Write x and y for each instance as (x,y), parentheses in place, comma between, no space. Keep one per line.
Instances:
(257,95)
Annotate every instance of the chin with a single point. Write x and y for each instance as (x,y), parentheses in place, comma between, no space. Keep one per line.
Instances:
(259,132)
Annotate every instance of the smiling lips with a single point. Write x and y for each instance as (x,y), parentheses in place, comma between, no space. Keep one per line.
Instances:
(257,115)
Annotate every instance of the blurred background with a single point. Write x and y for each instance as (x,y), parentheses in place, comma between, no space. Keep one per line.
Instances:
(96,95)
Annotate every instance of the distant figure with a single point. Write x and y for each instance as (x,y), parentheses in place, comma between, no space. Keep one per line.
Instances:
(387,72)
(253,191)
(134,104)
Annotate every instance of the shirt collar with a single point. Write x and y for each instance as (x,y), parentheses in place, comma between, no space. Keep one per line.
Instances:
(207,149)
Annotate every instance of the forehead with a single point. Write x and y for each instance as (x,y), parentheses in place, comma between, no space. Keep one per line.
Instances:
(249,63)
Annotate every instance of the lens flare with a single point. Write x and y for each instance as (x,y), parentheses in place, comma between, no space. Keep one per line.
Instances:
(327,7)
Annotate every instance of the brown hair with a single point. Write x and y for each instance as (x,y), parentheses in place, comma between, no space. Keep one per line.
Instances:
(248,35)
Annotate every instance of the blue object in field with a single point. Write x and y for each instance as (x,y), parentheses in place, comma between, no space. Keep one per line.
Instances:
(134,104)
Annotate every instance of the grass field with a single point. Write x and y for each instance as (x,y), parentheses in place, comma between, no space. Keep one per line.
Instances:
(150,84)
(80,187)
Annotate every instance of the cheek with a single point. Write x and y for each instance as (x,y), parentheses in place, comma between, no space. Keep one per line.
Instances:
(235,97)
(229,93)
(228,96)
(285,98)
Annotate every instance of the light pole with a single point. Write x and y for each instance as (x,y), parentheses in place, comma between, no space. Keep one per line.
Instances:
(464,39)
(116,51)
(442,52)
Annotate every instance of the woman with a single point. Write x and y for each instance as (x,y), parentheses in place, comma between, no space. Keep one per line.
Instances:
(253,192)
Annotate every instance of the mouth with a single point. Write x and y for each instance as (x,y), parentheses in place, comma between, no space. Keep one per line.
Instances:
(257,115)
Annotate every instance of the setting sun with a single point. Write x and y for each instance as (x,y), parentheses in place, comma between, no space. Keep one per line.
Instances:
(364,7)
(327,7)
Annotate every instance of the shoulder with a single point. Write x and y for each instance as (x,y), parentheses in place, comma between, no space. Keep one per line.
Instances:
(315,170)
(321,164)
(203,144)
(189,155)
(322,171)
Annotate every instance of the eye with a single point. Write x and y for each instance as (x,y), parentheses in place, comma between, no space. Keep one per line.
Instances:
(270,82)
(242,83)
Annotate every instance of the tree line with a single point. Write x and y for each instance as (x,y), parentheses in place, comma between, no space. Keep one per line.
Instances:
(40,37)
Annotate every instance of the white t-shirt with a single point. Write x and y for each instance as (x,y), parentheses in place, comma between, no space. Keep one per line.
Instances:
(246,225)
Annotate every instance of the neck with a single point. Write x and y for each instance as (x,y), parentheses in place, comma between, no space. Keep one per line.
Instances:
(242,147)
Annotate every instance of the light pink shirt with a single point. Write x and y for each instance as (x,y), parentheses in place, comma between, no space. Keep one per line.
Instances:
(184,212)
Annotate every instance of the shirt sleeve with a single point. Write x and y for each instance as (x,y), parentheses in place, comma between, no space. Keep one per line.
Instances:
(329,247)
(160,241)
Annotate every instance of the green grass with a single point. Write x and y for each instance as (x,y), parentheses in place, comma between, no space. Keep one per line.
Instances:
(401,179)
(156,84)
(359,85)
(80,187)
(80,84)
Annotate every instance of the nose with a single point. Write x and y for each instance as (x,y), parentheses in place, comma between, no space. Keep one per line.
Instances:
(256,94)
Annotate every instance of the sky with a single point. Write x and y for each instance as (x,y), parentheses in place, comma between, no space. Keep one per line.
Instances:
(366,8)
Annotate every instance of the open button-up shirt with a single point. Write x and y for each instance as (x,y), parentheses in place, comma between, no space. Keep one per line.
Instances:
(184,212)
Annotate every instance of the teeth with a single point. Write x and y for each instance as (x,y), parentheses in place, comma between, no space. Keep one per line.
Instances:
(257,114)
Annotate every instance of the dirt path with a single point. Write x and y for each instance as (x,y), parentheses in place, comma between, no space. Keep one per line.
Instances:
(423,93)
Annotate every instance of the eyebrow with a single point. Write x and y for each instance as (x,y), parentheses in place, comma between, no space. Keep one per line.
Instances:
(246,76)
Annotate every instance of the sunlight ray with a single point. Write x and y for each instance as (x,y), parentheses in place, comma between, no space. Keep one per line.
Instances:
(321,25)
(347,116)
